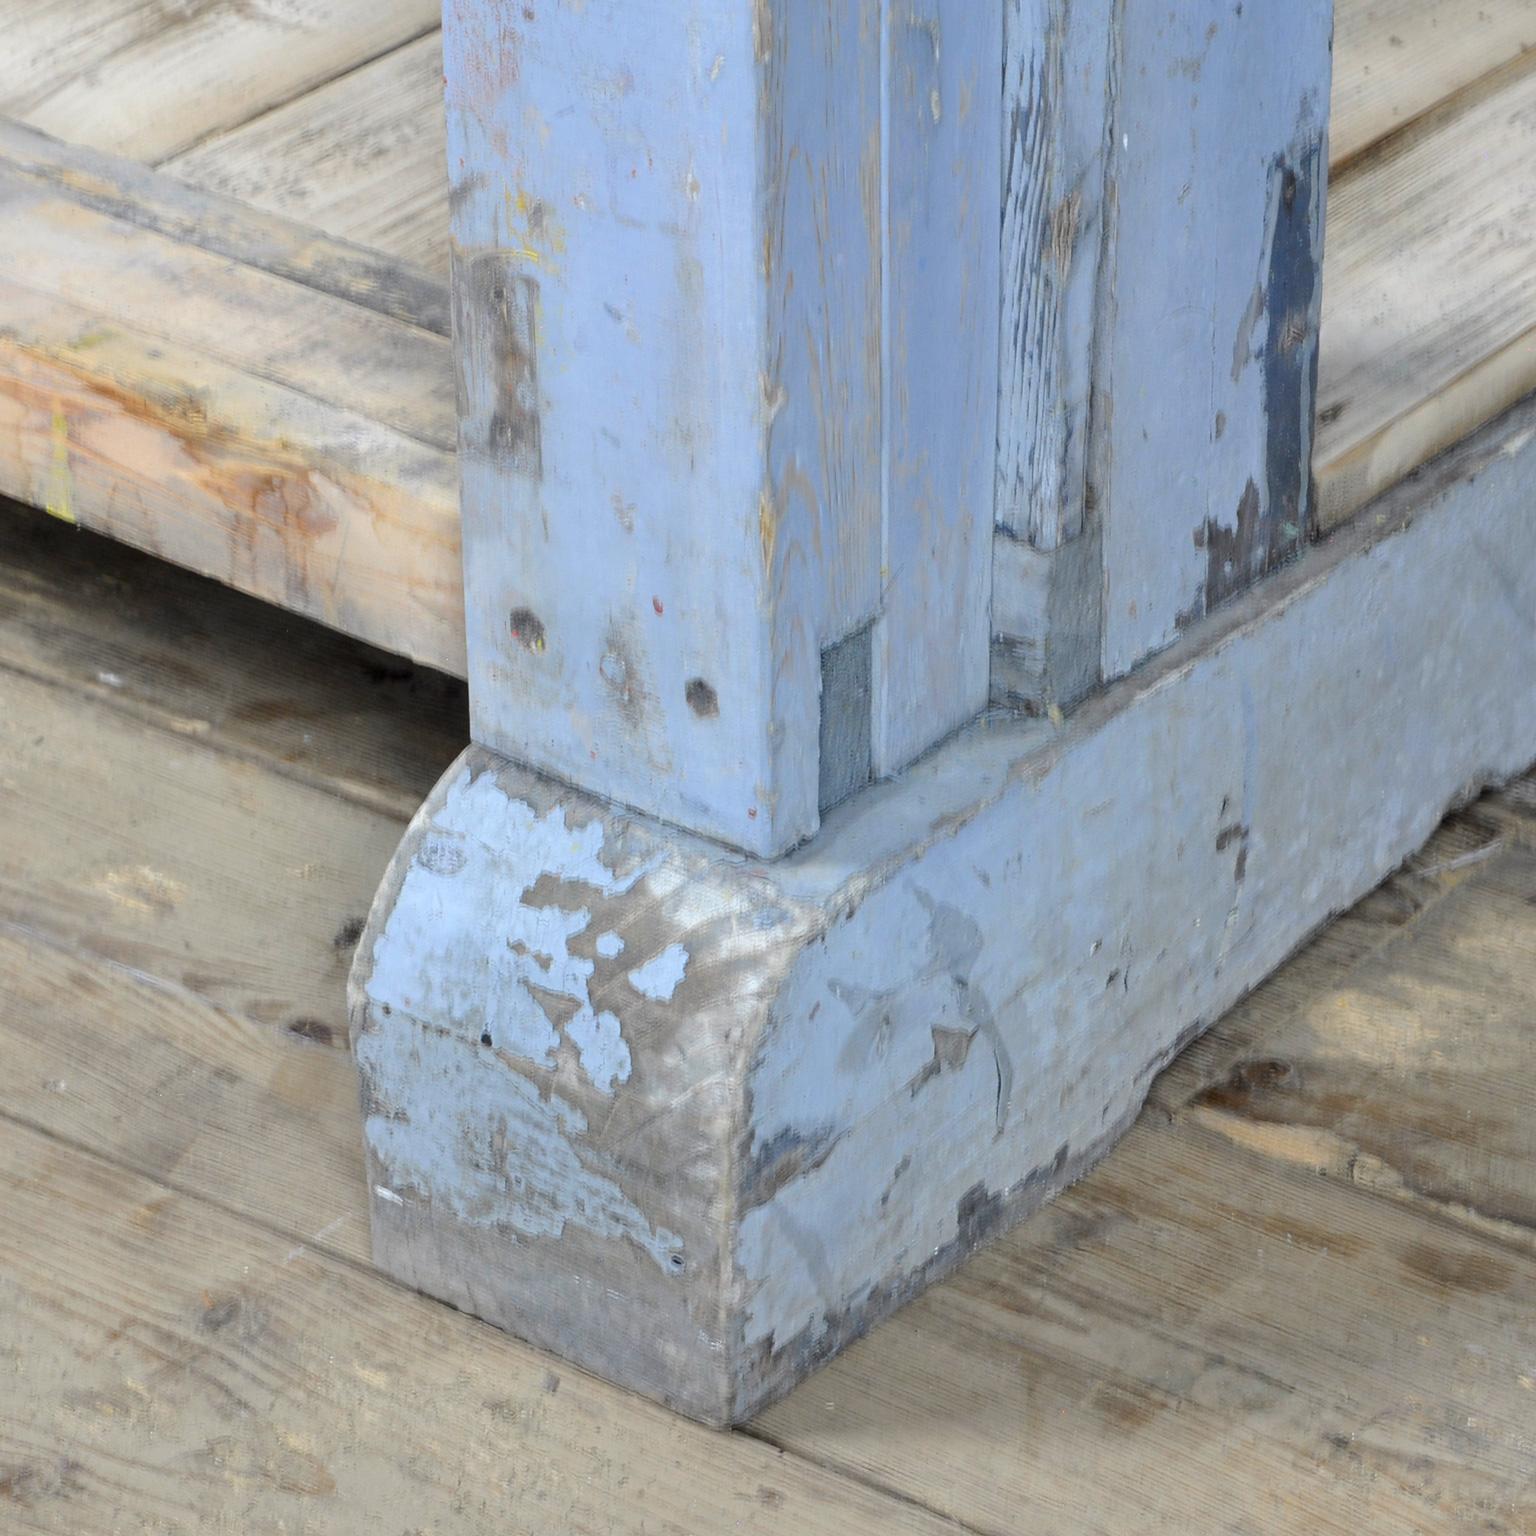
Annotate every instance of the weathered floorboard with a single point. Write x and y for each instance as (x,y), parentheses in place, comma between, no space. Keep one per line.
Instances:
(1429,310)
(1165,1345)
(362,158)
(1396,59)
(146,78)
(179,1363)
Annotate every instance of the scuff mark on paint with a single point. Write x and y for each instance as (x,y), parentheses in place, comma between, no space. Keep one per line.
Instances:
(660,977)
(474,1136)
(431,960)
(59,502)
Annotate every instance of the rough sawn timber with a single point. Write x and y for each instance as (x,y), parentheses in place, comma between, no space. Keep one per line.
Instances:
(696,1122)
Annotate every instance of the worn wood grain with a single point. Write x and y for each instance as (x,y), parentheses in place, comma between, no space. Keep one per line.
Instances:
(1410,1075)
(146,78)
(1397,59)
(273,330)
(188,1370)
(291,442)
(1429,311)
(92,882)
(362,157)
(227,226)
(1058,105)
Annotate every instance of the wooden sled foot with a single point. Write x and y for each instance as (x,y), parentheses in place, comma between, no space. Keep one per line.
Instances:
(694,1121)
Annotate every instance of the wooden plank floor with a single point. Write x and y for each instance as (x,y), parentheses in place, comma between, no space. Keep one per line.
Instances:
(1300,1297)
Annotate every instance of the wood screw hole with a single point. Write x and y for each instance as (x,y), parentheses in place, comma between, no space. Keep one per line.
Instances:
(527,629)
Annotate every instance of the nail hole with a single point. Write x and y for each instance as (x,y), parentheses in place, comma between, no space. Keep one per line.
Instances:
(676,1261)
(485,1039)
(527,629)
(702,699)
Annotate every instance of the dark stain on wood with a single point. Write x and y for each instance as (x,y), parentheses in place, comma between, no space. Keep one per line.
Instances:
(1272,519)
(348,934)
(783,1158)
(495,350)
(1250,1084)
(702,698)
(316,1031)
(1473,1274)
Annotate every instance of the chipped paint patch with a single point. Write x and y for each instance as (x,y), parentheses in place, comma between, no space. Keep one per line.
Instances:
(660,977)
(609,945)
(468,1132)
(464,948)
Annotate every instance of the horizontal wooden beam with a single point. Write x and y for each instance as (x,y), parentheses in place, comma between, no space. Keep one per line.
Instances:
(160,430)
(697,1122)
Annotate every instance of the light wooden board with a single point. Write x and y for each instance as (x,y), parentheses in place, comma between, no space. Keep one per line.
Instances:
(187,1370)
(362,158)
(1429,308)
(1197,1337)
(292,442)
(223,226)
(1396,59)
(146,78)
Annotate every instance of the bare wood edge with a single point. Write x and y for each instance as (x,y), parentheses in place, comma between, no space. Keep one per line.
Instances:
(696,1122)
(317,509)
(225,226)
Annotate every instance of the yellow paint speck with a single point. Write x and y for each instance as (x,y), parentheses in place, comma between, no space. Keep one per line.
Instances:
(59,501)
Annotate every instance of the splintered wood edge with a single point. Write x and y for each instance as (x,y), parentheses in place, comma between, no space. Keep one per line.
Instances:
(697,1122)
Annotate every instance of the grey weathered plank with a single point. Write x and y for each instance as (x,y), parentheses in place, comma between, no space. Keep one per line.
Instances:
(362,157)
(225,226)
(147,78)
(731,1115)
